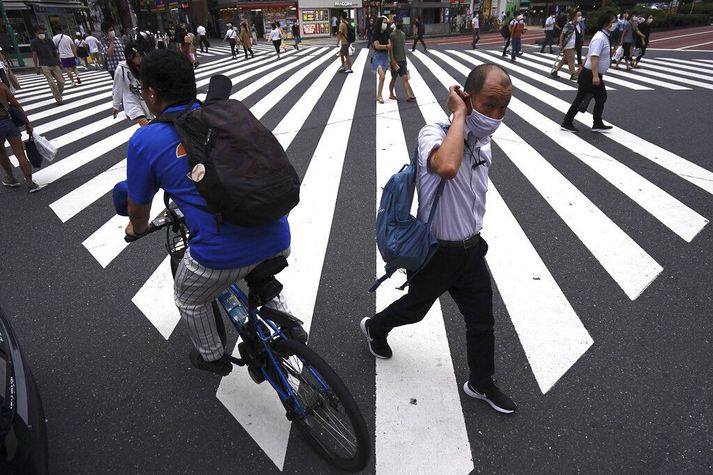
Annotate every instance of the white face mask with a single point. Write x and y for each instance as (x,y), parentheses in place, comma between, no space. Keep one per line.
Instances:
(481,125)
(579,18)
(41,36)
(612,27)
(384,26)
(649,20)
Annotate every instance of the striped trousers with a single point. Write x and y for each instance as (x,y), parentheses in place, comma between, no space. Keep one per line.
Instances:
(195,288)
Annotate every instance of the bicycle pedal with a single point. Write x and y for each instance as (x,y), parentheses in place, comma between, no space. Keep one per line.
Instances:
(236,361)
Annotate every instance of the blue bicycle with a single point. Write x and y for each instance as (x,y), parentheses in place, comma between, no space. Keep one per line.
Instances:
(273,349)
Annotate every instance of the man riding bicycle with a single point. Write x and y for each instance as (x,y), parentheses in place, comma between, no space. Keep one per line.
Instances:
(218,255)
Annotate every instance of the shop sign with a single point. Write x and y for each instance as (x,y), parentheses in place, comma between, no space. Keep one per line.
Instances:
(345,4)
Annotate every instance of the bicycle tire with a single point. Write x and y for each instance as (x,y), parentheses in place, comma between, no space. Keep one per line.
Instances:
(338,398)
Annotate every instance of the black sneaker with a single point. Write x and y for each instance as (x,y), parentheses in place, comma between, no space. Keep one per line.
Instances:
(378,346)
(569,126)
(553,73)
(601,128)
(491,394)
(223,366)
(10,182)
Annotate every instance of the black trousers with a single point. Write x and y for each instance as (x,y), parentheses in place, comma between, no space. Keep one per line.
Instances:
(415,42)
(507,44)
(476,36)
(232,46)
(586,87)
(549,34)
(246,49)
(4,79)
(642,47)
(204,42)
(464,274)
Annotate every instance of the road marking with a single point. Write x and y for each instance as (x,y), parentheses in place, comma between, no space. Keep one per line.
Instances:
(520,70)
(67,165)
(676,164)
(281,91)
(81,197)
(256,407)
(254,86)
(624,260)
(674,78)
(155,298)
(107,242)
(683,64)
(68,106)
(434,429)
(656,67)
(681,36)
(705,60)
(550,331)
(628,75)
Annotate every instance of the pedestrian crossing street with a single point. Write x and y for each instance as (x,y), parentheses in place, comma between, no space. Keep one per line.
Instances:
(550,331)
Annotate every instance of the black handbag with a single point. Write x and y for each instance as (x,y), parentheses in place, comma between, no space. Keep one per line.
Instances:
(33,155)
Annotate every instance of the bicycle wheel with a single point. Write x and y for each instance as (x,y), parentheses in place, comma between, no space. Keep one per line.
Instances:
(333,424)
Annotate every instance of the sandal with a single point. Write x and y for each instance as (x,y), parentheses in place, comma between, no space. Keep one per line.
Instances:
(411,99)
(380,100)
(393,97)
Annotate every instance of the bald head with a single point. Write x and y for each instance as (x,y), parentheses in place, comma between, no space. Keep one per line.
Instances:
(486,72)
(490,89)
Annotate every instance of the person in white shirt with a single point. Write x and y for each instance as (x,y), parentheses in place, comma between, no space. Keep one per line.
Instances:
(231,35)
(550,35)
(67,58)
(95,48)
(591,78)
(202,38)
(276,38)
(82,49)
(476,29)
(126,91)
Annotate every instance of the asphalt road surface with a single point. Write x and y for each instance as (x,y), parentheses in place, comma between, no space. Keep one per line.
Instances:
(600,250)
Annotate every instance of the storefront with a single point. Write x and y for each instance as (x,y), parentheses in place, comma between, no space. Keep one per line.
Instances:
(443,18)
(259,13)
(317,16)
(69,16)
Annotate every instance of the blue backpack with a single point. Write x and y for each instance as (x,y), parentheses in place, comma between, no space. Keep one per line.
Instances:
(403,240)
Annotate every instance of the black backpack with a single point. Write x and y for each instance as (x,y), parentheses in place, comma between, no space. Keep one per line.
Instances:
(351,34)
(505,30)
(248,179)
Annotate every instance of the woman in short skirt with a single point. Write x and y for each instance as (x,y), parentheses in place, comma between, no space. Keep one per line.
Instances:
(380,58)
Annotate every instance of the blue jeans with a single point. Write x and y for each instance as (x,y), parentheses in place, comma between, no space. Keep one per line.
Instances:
(515,47)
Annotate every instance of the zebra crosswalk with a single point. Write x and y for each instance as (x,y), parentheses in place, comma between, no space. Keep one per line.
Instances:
(317,113)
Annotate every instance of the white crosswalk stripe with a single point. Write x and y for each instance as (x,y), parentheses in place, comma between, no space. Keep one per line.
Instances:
(92,157)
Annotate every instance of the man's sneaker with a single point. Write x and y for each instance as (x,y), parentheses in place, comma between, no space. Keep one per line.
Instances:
(491,394)
(601,128)
(573,77)
(341,69)
(223,366)
(10,182)
(32,187)
(378,346)
(553,73)
(569,126)
(347,71)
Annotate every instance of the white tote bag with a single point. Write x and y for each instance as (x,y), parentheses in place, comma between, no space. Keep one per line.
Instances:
(44,146)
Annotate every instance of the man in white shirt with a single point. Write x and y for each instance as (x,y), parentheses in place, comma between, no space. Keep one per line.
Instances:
(231,35)
(476,29)
(550,34)
(95,48)
(458,154)
(202,38)
(67,58)
(591,82)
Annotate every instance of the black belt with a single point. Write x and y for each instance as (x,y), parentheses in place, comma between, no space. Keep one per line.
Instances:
(465,244)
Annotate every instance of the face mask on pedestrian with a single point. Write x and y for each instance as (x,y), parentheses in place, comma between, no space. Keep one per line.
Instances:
(578,19)
(383,26)
(481,125)
(519,18)
(612,27)
(649,20)
(41,36)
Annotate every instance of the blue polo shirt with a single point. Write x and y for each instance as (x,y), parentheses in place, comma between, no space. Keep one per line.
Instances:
(156,159)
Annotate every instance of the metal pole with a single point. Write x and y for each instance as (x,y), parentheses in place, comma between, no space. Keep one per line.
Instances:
(11,32)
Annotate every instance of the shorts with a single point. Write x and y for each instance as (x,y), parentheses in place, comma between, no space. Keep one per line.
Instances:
(344,50)
(403,69)
(69,63)
(380,60)
(8,130)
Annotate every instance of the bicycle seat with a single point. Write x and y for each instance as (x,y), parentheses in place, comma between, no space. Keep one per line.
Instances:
(262,282)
